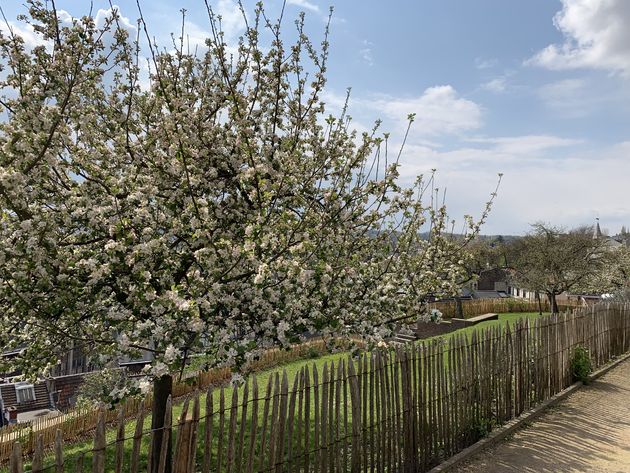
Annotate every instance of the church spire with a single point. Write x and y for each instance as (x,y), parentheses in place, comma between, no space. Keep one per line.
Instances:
(597,232)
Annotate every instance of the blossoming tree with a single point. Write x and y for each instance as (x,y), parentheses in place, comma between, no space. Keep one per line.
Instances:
(552,260)
(612,274)
(213,208)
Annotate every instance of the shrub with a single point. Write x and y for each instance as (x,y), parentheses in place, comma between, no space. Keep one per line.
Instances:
(483,427)
(313,352)
(581,365)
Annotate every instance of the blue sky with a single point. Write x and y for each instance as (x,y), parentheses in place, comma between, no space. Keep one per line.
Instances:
(538,90)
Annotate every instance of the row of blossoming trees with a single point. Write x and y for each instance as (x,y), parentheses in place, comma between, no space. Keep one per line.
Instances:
(210,206)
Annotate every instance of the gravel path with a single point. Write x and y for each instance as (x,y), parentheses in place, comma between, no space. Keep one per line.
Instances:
(587,432)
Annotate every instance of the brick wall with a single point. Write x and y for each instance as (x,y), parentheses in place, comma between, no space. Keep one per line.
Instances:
(64,389)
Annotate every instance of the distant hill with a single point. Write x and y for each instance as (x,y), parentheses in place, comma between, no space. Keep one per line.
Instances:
(505,238)
(489,238)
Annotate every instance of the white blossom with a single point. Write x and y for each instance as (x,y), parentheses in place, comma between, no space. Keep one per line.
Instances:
(215,211)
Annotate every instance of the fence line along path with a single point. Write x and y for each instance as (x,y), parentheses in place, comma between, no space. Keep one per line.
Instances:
(391,410)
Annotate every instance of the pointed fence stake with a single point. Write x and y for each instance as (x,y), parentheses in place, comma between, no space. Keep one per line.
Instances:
(15,463)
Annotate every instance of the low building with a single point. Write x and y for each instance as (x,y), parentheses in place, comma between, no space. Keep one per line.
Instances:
(522,293)
(18,398)
(489,284)
(59,389)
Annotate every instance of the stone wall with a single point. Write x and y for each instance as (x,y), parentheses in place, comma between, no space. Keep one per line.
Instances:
(430,329)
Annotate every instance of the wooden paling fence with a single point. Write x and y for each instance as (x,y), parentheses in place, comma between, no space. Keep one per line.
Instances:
(78,421)
(68,426)
(403,409)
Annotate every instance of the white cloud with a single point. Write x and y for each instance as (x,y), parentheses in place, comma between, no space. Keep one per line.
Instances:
(497,85)
(572,191)
(101,16)
(324,15)
(490,156)
(481,63)
(546,178)
(596,36)
(32,39)
(532,145)
(25,31)
(195,37)
(439,110)
(568,97)
(232,21)
(562,89)
(336,20)
(304,4)
(366,53)
(577,98)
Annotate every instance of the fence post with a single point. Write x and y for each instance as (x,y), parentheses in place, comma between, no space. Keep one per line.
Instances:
(207,453)
(59,452)
(166,437)
(192,447)
(120,441)
(232,431)
(282,421)
(30,443)
(15,464)
(180,459)
(253,426)
(98,459)
(137,440)
(243,427)
(38,455)
(79,464)
(355,397)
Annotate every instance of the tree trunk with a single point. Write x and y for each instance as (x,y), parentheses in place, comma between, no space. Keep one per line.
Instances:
(539,303)
(552,302)
(459,308)
(162,389)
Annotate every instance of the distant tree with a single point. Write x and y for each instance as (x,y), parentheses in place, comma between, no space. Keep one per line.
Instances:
(483,256)
(613,275)
(551,260)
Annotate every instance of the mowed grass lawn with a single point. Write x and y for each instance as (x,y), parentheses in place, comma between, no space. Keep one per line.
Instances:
(510,318)
(73,451)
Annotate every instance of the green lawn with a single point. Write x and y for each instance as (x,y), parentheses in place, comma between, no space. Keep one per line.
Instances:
(73,451)
(510,318)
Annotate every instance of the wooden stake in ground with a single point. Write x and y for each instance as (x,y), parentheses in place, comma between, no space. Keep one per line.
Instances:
(15,464)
